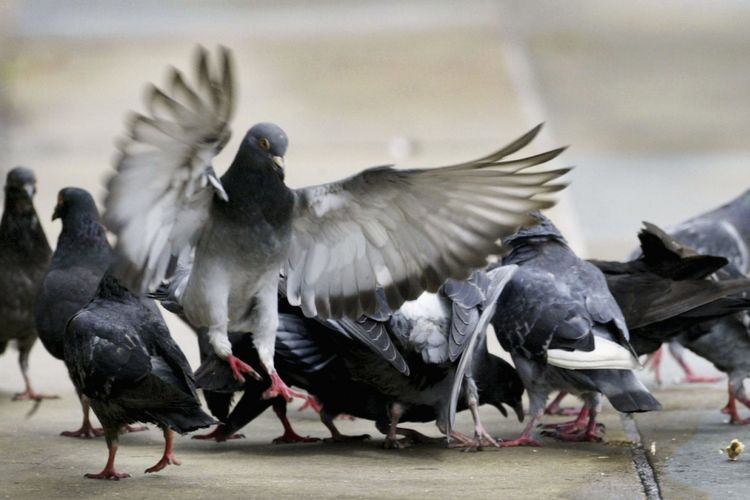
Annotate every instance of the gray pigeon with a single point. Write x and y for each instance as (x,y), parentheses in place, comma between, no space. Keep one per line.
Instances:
(24,257)
(724,231)
(121,357)
(81,257)
(565,331)
(405,231)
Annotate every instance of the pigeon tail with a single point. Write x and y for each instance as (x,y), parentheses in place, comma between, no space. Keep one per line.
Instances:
(623,390)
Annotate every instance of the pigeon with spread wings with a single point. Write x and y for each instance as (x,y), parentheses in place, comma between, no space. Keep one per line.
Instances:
(404,231)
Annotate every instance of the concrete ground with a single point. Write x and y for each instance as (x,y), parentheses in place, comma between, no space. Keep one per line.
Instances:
(652,98)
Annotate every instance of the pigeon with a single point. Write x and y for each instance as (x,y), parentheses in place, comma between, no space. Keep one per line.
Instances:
(402,231)
(564,331)
(723,231)
(81,258)
(665,290)
(120,355)
(24,257)
(322,358)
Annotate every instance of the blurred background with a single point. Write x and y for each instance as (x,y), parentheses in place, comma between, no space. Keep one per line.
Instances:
(652,97)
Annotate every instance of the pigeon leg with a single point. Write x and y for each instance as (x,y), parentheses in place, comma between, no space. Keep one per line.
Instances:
(218,434)
(86,430)
(311,402)
(654,364)
(574,425)
(526,438)
(279,388)
(168,458)
(554,407)
(731,409)
(126,429)
(29,394)
(481,436)
(109,471)
(289,436)
(391,441)
(336,436)
(239,367)
(690,377)
(590,434)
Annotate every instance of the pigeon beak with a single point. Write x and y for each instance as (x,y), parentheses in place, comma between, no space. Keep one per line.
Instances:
(58,211)
(519,411)
(30,189)
(279,162)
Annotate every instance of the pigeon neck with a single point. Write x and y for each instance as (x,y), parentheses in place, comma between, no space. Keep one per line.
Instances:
(82,232)
(255,185)
(20,228)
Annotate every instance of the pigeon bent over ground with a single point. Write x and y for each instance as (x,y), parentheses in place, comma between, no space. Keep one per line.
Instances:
(24,257)
(404,231)
(121,357)
(565,331)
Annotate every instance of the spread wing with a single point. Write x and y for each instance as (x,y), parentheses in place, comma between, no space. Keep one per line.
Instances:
(407,231)
(159,198)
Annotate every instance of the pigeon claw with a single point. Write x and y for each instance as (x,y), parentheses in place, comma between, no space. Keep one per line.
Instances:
(167,459)
(219,435)
(108,473)
(30,395)
(239,367)
(290,436)
(700,379)
(523,440)
(279,388)
(87,431)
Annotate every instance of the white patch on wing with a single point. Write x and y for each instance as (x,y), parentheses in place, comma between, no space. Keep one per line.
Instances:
(606,355)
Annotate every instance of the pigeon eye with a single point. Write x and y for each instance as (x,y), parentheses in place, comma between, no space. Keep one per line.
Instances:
(264,143)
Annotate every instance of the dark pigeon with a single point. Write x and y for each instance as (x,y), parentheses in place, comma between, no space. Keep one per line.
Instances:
(565,331)
(405,231)
(81,257)
(327,362)
(24,257)
(724,231)
(121,357)
(666,290)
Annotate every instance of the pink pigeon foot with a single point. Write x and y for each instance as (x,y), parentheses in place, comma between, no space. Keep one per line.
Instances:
(218,434)
(30,395)
(279,388)
(239,367)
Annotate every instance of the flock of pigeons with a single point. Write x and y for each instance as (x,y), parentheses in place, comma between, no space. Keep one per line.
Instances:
(372,294)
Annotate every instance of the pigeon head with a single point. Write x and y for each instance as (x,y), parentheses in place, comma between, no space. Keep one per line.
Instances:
(499,385)
(21,181)
(75,203)
(266,143)
(540,229)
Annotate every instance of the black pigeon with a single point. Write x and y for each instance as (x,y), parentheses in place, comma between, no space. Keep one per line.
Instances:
(121,357)
(24,257)
(319,358)
(81,257)
(404,231)
(565,331)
